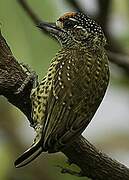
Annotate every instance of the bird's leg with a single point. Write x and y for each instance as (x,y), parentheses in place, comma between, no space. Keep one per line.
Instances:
(69,162)
(69,171)
(31,76)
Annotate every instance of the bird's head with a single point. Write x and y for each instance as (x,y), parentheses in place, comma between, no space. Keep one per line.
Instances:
(75,28)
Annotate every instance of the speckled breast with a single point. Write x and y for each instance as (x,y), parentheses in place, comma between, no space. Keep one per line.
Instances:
(69,95)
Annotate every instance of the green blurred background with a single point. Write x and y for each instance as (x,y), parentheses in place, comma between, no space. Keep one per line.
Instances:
(109,130)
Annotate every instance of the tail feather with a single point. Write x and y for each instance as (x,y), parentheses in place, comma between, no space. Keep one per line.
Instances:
(29,155)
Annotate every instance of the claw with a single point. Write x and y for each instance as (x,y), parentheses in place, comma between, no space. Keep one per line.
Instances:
(70,171)
(31,76)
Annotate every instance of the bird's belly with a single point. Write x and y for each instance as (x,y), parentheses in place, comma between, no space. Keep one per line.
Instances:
(89,92)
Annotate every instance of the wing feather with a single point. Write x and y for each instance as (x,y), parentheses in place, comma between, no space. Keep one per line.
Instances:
(73,92)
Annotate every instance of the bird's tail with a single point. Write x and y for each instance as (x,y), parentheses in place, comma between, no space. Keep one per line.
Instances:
(29,155)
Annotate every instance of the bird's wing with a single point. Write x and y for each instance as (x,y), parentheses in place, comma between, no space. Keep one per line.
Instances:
(69,93)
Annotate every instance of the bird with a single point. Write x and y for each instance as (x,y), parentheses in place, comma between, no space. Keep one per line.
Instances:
(65,101)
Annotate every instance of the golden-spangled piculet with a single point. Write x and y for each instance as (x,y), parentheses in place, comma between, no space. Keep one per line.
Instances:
(67,98)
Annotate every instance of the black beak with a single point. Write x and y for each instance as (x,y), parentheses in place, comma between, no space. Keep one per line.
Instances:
(49,28)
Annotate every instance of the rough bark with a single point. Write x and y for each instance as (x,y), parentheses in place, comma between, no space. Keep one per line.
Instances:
(12,76)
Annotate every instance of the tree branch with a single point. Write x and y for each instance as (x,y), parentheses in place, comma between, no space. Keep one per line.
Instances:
(29,11)
(121,60)
(11,78)
(92,163)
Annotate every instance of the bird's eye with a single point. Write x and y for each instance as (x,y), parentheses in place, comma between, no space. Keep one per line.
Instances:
(69,23)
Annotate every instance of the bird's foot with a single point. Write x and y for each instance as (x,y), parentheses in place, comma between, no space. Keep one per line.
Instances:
(69,171)
(31,76)
(69,162)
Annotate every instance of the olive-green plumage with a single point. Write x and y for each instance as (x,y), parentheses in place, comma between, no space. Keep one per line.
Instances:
(67,98)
